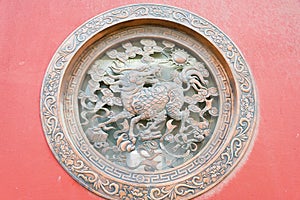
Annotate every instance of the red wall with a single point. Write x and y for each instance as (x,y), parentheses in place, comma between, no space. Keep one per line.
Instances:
(267,32)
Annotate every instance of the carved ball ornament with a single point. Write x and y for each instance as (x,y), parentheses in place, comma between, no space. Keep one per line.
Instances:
(148,102)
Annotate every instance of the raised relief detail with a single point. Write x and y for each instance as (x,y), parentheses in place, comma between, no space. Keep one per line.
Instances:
(133,108)
(148,105)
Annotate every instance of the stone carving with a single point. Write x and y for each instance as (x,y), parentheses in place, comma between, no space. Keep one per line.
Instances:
(113,181)
(156,104)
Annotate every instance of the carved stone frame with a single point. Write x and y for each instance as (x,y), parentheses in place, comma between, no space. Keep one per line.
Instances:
(235,134)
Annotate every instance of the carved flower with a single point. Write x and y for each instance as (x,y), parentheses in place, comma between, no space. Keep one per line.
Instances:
(213,172)
(220,40)
(66,154)
(216,170)
(68,161)
(132,193)
(137,192)
(247,106)
(222,168)
(205,177)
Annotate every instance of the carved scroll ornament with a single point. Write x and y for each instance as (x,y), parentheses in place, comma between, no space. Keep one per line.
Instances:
(146,111)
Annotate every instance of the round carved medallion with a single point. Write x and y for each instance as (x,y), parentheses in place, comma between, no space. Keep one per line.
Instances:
(148,102)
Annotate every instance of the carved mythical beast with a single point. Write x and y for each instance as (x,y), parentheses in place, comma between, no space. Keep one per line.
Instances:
(136,104)
(144,103)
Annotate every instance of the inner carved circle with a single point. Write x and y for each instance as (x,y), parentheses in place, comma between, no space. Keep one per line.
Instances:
(148,104)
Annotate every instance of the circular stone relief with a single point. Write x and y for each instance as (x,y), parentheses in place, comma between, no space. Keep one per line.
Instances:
(148,102)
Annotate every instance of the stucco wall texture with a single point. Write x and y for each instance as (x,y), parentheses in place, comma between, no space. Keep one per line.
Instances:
(267,33)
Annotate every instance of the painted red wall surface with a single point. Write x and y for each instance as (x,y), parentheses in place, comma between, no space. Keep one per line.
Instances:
(268,34)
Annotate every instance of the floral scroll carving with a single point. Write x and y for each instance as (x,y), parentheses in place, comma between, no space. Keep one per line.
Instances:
(162,98)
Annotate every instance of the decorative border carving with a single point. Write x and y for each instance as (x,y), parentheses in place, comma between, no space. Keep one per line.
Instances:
(84,172)
(159,177)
